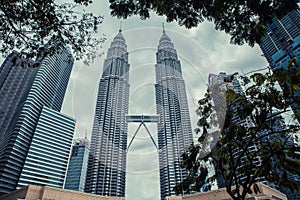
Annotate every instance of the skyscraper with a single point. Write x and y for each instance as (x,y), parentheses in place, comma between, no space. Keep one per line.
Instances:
(174,127)
(218,85)
(77,169)
(281,44)
(47,158)
(16,77)
(39,115)
(107,159)
(281,39)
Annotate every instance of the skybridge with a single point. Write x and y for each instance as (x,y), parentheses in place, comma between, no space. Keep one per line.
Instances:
(142,119)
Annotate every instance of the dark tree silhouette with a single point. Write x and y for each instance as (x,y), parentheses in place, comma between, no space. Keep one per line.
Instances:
(28,25)
(243,20)
(245,154)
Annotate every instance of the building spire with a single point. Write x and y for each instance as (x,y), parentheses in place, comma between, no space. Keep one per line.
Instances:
(85,137)
(120,30)
(163,26)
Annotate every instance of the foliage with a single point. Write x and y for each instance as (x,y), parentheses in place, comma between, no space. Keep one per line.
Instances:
(288,79)
(255,143)
(28,25)
(243,20)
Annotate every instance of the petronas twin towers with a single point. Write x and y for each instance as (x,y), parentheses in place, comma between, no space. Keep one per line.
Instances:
(107,159)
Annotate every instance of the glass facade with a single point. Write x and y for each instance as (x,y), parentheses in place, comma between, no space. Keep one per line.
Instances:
(218,84)
(16,78)
(107,159)
(47,90)
(282,37)
(174,126)
(48,155)
(281,44)
(77,168)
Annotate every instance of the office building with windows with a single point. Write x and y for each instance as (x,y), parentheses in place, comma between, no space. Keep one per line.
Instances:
(36,124)
(48,155)
(218,85)
(280,45)
(174,126)
(107,158)
(77,168)
(16,78)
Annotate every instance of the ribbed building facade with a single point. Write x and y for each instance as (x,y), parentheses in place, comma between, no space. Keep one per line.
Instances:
(16,78)
(77,169)
(174,127)
(47,158)
(107,159)
(44,98)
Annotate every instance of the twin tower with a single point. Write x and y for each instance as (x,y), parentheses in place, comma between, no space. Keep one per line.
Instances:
(107,160)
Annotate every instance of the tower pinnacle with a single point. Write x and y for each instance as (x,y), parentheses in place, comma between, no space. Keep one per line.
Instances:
(120,30)
(163,26)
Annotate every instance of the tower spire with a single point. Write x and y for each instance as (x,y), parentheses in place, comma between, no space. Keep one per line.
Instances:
(163,26)
(120,30)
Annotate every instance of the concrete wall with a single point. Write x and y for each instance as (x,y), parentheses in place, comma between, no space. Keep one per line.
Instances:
(267,193)
(32,192)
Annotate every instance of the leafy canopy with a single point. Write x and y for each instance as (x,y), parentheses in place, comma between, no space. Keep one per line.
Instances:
(254,141)
(28,25)
(243,20)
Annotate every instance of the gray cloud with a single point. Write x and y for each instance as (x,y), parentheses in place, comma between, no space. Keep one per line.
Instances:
(201,50)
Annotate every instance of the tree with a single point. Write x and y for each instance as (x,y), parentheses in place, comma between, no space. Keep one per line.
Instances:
(243,20)
(255,143)
(28,25)
(288,78)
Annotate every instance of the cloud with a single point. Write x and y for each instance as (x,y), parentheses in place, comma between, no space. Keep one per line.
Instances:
(201,51)
(142,186)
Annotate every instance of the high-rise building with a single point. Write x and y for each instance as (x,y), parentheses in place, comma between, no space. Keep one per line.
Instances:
(174,126)
(16,77)
(77,168)
(218,85)
(281,39)
(47,158)
(281,44)
(39,122)
(107,158)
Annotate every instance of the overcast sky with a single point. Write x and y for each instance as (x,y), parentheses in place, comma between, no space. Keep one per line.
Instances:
(201,51)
